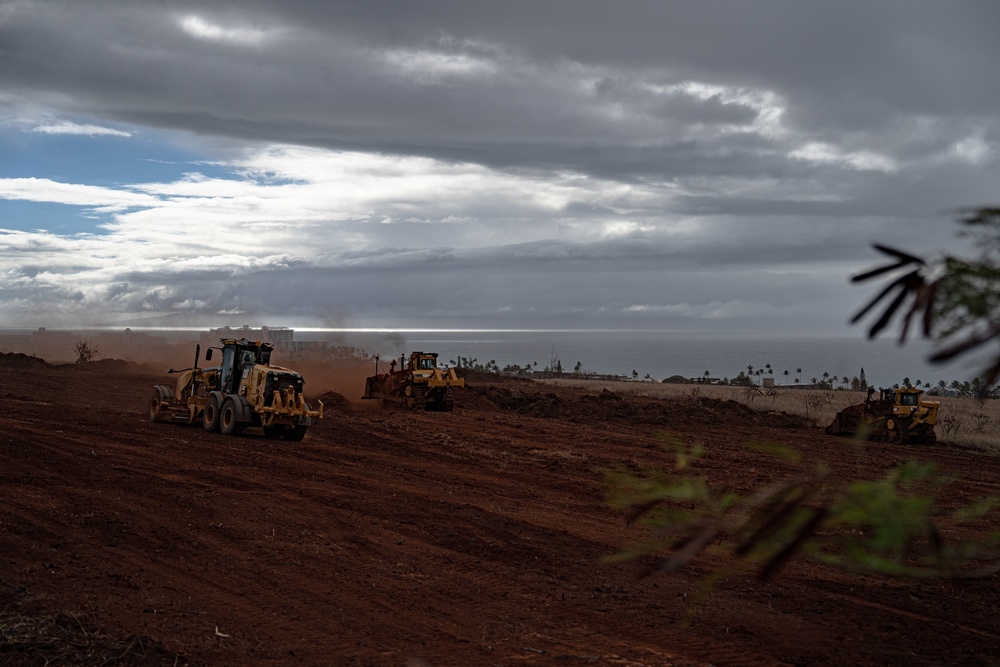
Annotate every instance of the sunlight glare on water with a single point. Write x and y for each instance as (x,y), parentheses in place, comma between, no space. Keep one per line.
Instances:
(662,354)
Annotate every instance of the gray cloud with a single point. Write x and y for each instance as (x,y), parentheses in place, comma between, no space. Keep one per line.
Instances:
(685,158)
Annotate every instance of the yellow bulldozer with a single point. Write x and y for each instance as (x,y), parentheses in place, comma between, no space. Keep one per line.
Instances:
(897,415)
(418,383)
(244,390)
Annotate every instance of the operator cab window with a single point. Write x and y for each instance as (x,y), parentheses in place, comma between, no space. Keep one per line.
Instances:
(247,357)
(228,359)
(908,399)
(426,364)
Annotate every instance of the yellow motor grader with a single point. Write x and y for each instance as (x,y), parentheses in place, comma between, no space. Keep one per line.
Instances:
(417,384)
(244,390)
(897,415)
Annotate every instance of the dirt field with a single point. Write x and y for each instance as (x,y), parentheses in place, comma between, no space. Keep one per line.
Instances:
(394,538)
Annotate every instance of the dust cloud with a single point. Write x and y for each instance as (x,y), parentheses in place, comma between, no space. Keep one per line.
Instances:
(331,366)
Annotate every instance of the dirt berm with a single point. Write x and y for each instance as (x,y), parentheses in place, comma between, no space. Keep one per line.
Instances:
(476,537)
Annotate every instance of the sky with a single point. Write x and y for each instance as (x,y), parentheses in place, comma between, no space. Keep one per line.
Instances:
(698,166)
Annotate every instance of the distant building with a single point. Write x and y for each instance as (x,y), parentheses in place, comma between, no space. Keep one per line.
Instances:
(127,338)
(53,345)
(127,344)
(282,338)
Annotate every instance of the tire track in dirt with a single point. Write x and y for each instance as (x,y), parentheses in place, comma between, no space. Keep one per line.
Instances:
(475,537)
(924,618)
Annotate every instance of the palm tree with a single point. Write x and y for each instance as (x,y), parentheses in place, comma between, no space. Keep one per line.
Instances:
(786,376)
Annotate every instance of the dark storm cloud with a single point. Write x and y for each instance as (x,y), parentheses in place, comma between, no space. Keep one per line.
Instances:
(627,282)
(529,80)
(722,152)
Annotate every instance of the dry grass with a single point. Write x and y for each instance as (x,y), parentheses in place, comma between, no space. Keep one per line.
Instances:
(964,422)
(66,639)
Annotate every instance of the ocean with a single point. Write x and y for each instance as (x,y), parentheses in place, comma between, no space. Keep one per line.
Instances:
(661,354)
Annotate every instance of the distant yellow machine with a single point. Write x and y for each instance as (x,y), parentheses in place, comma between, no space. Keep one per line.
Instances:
(897,415)
(418,383)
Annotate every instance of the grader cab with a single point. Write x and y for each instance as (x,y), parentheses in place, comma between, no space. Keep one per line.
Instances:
(417,383)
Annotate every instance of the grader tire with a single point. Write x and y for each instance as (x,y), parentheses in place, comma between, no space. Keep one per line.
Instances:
(210,416)
(154,408)
(228,423)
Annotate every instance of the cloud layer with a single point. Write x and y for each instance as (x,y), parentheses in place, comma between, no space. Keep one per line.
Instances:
(636,164)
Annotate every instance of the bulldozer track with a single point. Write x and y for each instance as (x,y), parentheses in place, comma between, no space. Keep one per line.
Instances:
(419,398)
(939,618)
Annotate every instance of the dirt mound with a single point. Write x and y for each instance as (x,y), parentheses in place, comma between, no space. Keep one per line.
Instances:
(154,368)
(18,360)
(732,413)
(580,407)
(332,399)
(481,378)
(107,365)
(522,402)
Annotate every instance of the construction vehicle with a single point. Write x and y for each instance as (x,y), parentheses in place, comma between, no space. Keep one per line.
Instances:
(897,415)
(417,384)
(244,390)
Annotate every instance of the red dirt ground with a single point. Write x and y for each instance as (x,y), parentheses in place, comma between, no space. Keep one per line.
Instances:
(393,538)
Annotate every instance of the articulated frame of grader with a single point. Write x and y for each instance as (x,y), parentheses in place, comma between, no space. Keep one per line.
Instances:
(417,384)
(897,415)
(244,390)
